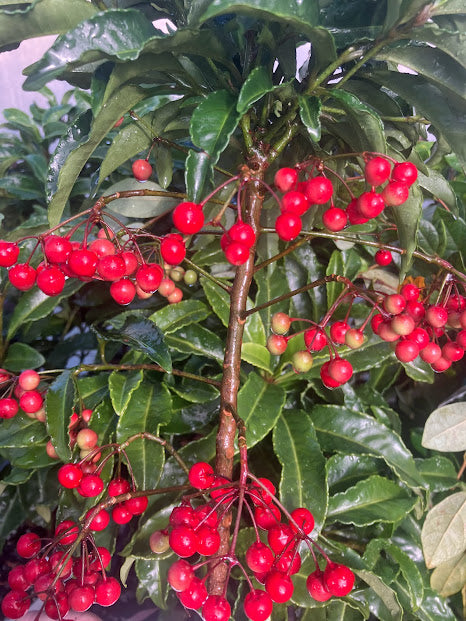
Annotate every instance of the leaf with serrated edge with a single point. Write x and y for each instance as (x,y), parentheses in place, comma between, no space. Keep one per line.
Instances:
(122,385)
(445,429)
(257,84)
(173,317)
(303,482)
(195,339)
(450,577)
(213,122)
(59,407)
(444,534)
(257,355)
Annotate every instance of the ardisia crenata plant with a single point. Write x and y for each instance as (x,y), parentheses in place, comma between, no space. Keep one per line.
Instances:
(233,302)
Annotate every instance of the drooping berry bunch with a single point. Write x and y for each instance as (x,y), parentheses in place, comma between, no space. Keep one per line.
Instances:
(434,331)
(66,574)
(21,393)
(300,196)
(193,532)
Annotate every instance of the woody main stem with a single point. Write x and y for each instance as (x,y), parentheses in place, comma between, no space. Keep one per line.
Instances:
(225,446)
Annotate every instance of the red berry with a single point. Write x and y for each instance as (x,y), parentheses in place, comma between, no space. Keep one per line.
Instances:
(36,567)
(420,337)
(266,517)
(57,563)
(437,316)
(43,586)
(118,486)
(8,407)
(29,379)
(131,262)
(173,249)
(405,172)
(327,379)
(15,604)
(137,505)
(259,557)
(280,323)
(338,331)
(236,253)
(57,249)
(123,291)
(96,563)
(102,247)
(377,170)
(175,296)
(28,545)
(17,579)
(81,598)
(223,491)
(370,204)
(338,579)
(183,541)
(409,292)
(461,339)
(402,324)
(216,608)
(183,515)
(415,309)
(316,587)
(90,486)
(142,170)
(288,562)
(107,592)
(383,257)
(9,253)
(406,351)
(279,586)
(58,607)
(288,226)
(294,202)
(111,267)
(355,217)
(279,536)
(22,276)
(394,304)
(259,495)
(276,344)
(208,540)
(195,595)
(304,519)
(201,475)
(315,339)
(335,219)
(83,263)
(180,575)
(99,521)
(70,476)
(166,287)
(70,532)
(318,190)
(441,365)
(285,179)
(149,277)
(31,401)
(452,351)
(188,218)
(242,233)
(395,193)
(340,370)
(121,514)
(258,605)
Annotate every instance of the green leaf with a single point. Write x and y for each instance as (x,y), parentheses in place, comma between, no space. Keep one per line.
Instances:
(407,217)
(309,110)
(335,266)
(195,391)
(387,596)
(152,575)
(259,405)
(148,523)
(195,339)
(12,511)
(59,405)
(419,371)
(21,356)
(46,18)
(439,188)
(366,124)
(198,172)
(450,577)
(141,334)
(93,389)
(303,482)
(445,429)
(343,471)
(21,431)
(139,206)
(341,429)
(452,41)
(34,305)
(173,317)
(443,534)
(256,85)
(376,499)
(122,385)
(438,472)
(257,355)
(148,408)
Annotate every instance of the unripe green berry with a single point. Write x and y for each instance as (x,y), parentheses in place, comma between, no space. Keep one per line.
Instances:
(190,277)
(177,274)
(302,361)
(159,542)
(280,323)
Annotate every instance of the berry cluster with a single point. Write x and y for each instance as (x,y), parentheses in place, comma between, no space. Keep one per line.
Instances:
(193,530)
(105,259)
(299,196)
(436,332)
(62,581)
(21,392)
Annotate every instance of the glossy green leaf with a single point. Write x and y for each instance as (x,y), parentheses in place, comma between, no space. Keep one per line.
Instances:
(59,405)
(218,299)
(122,385)
(365,123)
(118,33)
(142,335)
(341,429)
(173,317)
(148,408)
(152,575)
(335,266)
(438,472)
(195,339)
(450,577)
(213,122)
(434,608)
(21,356)
(271,283)
(439,188)
(303,481)
(429,100)
(163,165)
(256,85)
(104,422)
(309,110)
(12,511)
(195,391)
(259,405)
(407,217)
(21,431)
(139,206)
(257,355)
(34,305)
(46,18)
(449,40)
(444,533)
(445,429)
(391,608)
(343,471)
(198,173)
(92,389)
(419,371)
(375,499)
